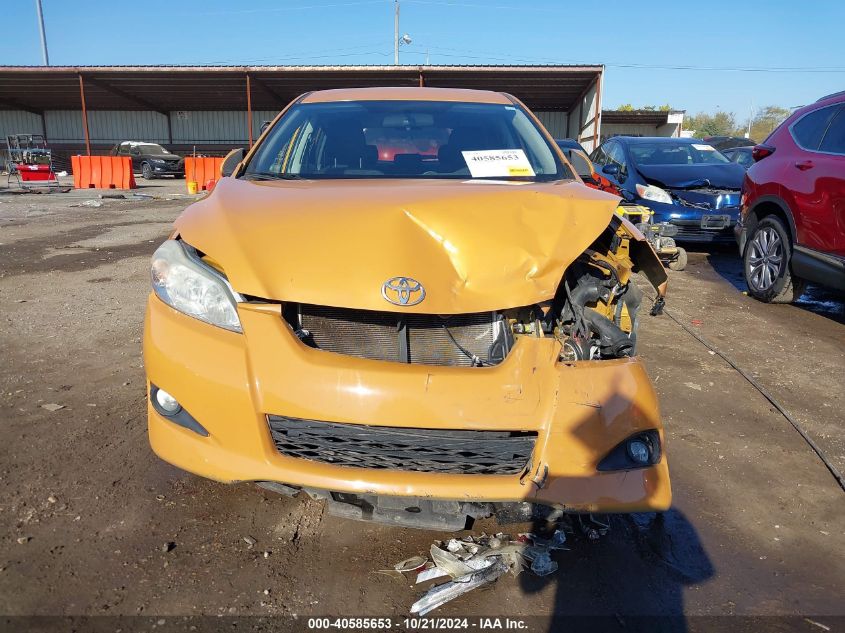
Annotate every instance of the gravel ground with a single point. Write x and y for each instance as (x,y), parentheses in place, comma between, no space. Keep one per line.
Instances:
(93,523)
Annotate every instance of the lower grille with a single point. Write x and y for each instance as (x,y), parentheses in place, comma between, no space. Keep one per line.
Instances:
(694,233)
(404,449)
(458,340)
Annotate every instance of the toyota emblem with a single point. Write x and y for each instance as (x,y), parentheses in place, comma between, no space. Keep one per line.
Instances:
(403,291)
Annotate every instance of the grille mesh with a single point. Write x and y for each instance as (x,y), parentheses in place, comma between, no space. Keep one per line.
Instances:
(694,232)
(404,449)
(379,335)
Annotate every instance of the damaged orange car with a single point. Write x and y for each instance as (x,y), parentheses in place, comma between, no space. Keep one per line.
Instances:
(404,301)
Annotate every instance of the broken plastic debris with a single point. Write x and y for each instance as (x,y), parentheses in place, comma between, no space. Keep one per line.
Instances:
(431,574)
(543,565)
(449,562)
(410,564)
(441,594)
(472,562)
(52,406)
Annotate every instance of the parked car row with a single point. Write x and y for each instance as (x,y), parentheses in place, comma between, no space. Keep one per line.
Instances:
(786,212)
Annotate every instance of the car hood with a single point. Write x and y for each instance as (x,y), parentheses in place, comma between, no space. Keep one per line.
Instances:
(163,156)
(725,176)
(474,246)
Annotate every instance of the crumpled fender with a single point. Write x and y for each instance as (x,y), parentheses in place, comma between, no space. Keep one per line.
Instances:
(644,258)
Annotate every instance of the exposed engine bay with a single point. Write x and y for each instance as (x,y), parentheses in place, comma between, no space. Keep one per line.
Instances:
(595,311)
(593,314)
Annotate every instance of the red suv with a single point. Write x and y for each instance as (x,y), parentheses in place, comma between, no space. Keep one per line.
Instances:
(792,224)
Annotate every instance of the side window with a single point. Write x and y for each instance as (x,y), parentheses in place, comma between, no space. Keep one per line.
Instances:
(834,140)
(616,156)
(809,130)
(744,158)
(123,149)
(598,156)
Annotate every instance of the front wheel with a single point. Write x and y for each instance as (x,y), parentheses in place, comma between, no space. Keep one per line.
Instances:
(147,171)
(766,264)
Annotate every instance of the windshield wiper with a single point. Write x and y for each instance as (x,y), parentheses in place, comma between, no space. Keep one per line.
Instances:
(271,176)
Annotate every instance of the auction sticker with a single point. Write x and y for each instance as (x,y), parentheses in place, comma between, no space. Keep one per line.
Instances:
(498,163)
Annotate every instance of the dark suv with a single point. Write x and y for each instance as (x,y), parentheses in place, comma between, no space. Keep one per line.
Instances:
(151,159)
(792,224)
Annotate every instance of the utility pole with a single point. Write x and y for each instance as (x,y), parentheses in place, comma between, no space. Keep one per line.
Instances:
(43,34)
(750,120)
(395,31)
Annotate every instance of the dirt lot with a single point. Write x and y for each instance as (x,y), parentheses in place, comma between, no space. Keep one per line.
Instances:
(93,523)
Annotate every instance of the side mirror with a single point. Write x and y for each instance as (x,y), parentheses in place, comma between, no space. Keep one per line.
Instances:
(263,127)
(231,162)
(611,170)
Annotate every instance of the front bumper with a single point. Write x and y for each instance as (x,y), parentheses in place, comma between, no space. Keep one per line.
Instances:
(689,221)
(230,382)
(166,170)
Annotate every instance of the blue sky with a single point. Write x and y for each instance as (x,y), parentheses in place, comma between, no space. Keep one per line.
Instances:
(688,54)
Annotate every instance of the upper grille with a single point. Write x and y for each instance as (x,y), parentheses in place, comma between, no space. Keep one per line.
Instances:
(458,340)
(397,448)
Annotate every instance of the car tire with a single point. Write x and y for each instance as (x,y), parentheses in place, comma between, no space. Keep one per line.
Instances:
(147,171)
(765,263)
(680,262)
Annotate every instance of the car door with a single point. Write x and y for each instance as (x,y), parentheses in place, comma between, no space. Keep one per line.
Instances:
(814,178)
(830,182)
(123,150)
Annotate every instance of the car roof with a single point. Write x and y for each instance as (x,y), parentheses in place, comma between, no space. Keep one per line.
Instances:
(633,140)
(407,94)
(833,98)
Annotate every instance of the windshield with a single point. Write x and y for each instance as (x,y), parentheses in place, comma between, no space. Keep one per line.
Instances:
(406,139)
(151,148)
(675,154)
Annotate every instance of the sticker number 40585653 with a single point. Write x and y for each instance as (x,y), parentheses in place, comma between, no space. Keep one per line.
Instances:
(498,163)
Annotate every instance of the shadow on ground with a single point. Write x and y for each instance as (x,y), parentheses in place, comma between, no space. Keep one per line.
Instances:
(816,299)
(635,575)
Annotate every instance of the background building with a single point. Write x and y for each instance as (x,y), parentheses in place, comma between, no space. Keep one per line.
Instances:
(641,123)
(214,108)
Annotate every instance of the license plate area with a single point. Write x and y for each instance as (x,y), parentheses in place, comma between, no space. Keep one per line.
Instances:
(715,222)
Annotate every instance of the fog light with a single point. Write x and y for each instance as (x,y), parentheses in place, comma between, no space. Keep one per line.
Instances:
(168,402)
(638,451)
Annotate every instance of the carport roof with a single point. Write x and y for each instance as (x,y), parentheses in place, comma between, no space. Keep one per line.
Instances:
(633,117)
(168,88)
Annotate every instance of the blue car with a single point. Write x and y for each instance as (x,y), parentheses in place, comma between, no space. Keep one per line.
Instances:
(686,182)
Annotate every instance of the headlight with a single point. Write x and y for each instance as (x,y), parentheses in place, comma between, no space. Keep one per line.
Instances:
(655,194)
(184,282)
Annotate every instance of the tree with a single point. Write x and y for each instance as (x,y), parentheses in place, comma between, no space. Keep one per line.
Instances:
(627,107)
(766,120)
(719,124)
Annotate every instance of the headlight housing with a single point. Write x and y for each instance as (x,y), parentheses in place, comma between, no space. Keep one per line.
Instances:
(187,284)
(655,194)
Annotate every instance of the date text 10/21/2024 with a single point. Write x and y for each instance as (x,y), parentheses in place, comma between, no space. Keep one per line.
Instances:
(423,624)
